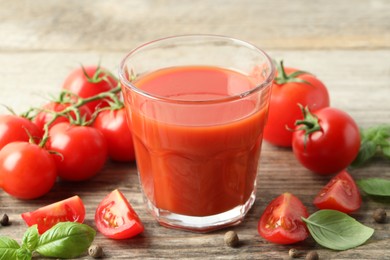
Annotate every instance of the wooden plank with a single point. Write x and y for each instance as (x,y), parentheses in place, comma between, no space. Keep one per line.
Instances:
(119,25)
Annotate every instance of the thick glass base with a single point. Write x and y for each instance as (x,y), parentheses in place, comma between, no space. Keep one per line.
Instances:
(201,224)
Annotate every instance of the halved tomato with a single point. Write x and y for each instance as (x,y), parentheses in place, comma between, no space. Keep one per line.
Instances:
(341,193)
(115,217)
(281,221)
(71,209)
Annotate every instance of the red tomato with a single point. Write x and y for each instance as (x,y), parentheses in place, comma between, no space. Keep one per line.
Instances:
(285,97)
(71,209)
(90,81)
(281,221)
(115,218)
(16,128)
(82,151)
(331,147)
(27,171)
(114,127)
(341,193)
(44,116)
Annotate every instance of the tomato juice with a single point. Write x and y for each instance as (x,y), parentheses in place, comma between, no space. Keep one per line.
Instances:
(197,137)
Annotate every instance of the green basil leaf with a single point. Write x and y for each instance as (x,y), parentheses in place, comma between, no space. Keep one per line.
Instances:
(375,186)
(31,238)
(23,254)
(366,152)
(336,230)
(386,151)
(8,248)
(374,142)
(66,240)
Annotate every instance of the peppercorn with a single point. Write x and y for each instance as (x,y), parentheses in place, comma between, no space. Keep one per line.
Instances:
(95,251)
(312,255)
(4,221)
(231,239)
(380,215)
(294,253)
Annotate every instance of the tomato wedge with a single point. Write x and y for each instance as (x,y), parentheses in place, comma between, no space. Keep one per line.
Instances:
(71,209)
(341,193)
(115,217)
(281,221)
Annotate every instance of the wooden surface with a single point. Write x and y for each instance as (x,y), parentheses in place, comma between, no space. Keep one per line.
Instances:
(347,45)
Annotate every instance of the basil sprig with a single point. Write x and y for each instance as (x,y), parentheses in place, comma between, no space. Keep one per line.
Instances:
(64,240)
(375,141)
(336,230)
(375,186)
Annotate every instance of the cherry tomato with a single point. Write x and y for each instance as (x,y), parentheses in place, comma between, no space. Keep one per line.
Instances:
(326,141)
(290,88)
(71,209)
(114,127)
(341,193)
(90,81)
(16,128)
(44,116)
(81,151)
(115,218)
(27,171)
(281,221)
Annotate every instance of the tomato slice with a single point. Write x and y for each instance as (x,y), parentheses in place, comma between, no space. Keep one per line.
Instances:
(71,209)
(281,221)
(341,193)
(115,217)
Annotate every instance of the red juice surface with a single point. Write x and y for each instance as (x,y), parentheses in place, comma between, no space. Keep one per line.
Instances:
(196,158)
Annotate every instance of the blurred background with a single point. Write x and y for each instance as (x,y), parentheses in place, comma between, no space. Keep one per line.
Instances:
(117,25)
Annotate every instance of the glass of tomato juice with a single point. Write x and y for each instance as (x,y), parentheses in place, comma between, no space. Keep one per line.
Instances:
(197,105)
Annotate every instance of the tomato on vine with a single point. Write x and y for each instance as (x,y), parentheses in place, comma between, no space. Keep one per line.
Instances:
(80,151)
(17,128)
(114,127)
(46,114)
(326,141)
(290,88)
(27,171)
(89,81)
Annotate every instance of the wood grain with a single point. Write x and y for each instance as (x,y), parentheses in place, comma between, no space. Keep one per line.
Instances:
(120,25)
(347,46)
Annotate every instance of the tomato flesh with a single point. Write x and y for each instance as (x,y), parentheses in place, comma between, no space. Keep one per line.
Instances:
(281,221)
(115,217)
(341,193)
(71,209)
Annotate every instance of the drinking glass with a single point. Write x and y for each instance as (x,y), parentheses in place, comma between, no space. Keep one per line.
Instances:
(197,106)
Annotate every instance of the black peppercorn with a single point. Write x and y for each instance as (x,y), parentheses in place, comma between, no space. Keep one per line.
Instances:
(380,215)
(294,253)
(95,251)
(312,255)
(231,239)
(4,221)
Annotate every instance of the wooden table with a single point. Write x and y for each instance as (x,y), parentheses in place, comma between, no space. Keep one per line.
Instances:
(347,45)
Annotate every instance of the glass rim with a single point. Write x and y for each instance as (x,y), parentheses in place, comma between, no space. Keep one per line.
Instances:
(128,84)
